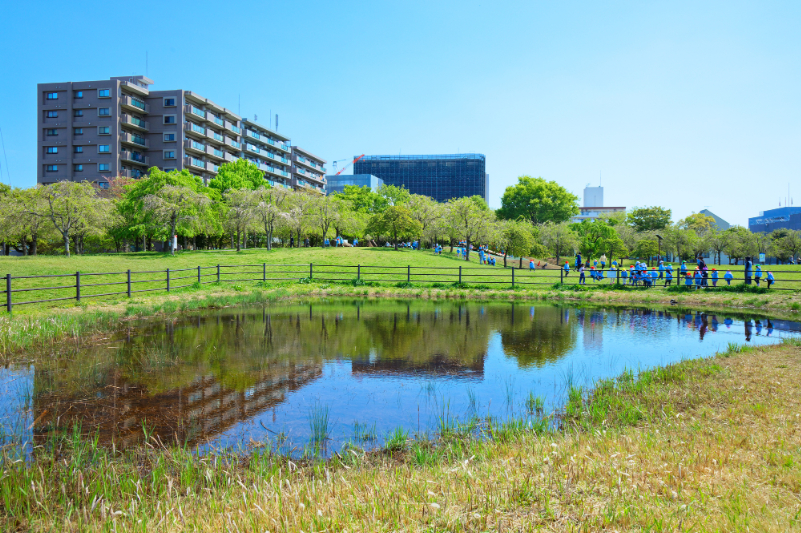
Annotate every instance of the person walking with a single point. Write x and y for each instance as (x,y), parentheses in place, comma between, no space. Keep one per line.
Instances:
(661,269)
(603,261)
(770,279)
(531,266)
(582,279)
(306,242)
(578,259)
(714,277)
(567,268)
(668,277)
(728,276)
(748,267)
(758,275)
(292,242)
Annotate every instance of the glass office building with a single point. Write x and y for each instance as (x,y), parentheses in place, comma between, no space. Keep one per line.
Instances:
(441,177)
(337,183)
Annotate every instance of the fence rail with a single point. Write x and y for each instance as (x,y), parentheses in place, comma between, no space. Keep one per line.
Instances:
(143,280)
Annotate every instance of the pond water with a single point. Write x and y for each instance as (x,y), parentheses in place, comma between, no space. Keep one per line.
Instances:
(227,378)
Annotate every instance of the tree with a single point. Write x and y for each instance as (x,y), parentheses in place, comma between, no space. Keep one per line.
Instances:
(241,205)
(649,218)
(174,200)
(394,195)
(559,239)
(594,237)
(324,212)
(468,217)
(538,201)
(67,204)
(425,210)
(515,237)
(22,220)
(271,202)
(238,174)
(716,240)
(396,221)
(736,243)
(791,243)
(646,248)
(297,214)
(363,199)
(682,240)
(698,222)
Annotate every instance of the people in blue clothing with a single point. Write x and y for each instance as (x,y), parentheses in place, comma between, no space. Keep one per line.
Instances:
(714,277)
(327,243)
(683,267)
(603,261)
(770,279)
(748,266)
(688,280)
(624,274)
(728,277)
(758,275)
(567,268)
(582,279)
(668,276)
(355,241)
(612,275)
(578,259)
(699,278)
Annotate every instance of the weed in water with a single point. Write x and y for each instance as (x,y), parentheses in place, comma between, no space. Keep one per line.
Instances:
(535,404)
(396,440)
(318,423)
(363,432)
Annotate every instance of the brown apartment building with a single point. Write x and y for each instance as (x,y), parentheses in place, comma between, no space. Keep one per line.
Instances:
(96,130)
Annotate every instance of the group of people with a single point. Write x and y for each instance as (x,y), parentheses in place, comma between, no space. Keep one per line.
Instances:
(639,273)
(484,257)
(339,241)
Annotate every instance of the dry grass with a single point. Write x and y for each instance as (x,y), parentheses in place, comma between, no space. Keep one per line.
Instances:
(705,445)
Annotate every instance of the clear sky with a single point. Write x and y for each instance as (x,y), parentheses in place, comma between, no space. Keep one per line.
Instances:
(685,105)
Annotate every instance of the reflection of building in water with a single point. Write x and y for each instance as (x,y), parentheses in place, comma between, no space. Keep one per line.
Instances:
(436,363)
(592,326)
(190,414)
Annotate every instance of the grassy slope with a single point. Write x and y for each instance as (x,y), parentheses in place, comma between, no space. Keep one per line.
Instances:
(703,445)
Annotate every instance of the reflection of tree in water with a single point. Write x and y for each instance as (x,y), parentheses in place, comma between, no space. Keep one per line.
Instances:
(538,338)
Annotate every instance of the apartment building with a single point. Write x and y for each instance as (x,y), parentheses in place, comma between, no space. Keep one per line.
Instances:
(97,130)
(308,171)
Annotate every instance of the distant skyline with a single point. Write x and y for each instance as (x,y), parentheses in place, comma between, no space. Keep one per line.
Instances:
(683,105)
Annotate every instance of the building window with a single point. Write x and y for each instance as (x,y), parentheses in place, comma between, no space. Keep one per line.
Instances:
(52,149)
(104,93)
(169,119)
(52,168)
(102,184)
(52,96)
(168,169)
(77,131)
(103,111)
(79,149)
(103,167)
(103,148)
(78,112)
(52,133)
(78,94)
(169,154)
(52,114)
(103,130)
(169,102)
(169,137)
(78,168)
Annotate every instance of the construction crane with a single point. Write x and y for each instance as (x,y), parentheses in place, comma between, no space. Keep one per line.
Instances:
(346,166)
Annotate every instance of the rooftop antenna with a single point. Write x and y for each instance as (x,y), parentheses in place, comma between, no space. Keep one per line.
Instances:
(599,179)
(255,117)
(276,122)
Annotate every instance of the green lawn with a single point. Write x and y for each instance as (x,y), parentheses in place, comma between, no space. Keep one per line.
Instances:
(107,273)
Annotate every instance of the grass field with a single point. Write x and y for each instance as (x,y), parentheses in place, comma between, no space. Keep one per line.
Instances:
(703,445)
(107,273)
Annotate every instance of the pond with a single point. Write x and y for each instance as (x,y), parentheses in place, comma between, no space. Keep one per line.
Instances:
(345,371)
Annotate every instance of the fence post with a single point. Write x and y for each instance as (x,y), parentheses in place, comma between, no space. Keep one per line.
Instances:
(408,273)
(359,271)
(218,273)
(168,280)
(617,276)
(460,274)
(513,277)
(129,283)
(264,272)
(311,270)
(198,274)
(78,286)
(561,276)
(8,292)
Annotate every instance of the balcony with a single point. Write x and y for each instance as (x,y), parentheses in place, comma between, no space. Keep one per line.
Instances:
(216,153)
(131,173)
(134,122)
(131,103)
(229,157)
(279,145)
(212,167)
(194,163)
(252,134)
(134,139)
(214,137)
(127,85)
(214,119)
(194,129)
(250,148)
(308,163)
(278,172)
(232,143)
(232,127)
(194,112)
(194,146)
(134,157)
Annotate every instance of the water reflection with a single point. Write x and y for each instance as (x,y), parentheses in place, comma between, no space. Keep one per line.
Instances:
(229,376)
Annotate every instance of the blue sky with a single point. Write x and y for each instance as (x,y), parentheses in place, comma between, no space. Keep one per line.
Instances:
(680,104)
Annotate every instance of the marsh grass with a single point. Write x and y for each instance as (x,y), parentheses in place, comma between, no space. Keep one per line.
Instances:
(710,444)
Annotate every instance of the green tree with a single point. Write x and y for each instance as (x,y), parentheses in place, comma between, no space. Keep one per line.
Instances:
(241,212)
(394,195)
(425,210)
(363,199)
(790,244)
(559,239)
(67,204)
(594,237)
(239,174)
(469,218)
(737,243)
(515,237)
(395,221)
(646,248)
(538,201)
(323,213)
(649,218)
(270,204)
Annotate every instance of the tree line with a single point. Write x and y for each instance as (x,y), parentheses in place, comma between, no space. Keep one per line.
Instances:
(237,209)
